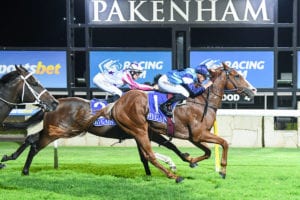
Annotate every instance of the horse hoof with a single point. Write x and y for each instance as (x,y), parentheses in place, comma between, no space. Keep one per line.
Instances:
(4,158)
(223,176)
(25,173)
(179,179)
(173,169)
(193,165)
(185,155)
(2,165)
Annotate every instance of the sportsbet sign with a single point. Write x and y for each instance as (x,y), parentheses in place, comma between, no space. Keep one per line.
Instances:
(49,66)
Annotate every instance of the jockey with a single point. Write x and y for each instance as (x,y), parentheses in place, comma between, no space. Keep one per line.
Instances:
(182,84)
(112,81)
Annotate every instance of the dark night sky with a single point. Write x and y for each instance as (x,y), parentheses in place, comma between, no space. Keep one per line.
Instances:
(40,23)
(32,23)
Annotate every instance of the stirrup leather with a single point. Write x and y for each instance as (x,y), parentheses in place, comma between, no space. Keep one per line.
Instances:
(164,108)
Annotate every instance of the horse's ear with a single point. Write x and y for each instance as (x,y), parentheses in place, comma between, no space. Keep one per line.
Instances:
(226,67)
(212,72)
(18,69)
(23,68)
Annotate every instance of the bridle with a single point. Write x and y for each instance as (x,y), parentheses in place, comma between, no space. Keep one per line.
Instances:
(36,95)
(227,72)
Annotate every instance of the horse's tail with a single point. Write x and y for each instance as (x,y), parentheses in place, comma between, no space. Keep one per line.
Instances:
(104,112)
(34,119)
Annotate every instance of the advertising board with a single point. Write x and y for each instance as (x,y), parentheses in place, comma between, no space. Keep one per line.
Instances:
(50,67)
(153,63)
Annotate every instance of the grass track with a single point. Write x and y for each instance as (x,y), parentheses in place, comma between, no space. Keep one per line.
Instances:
(116,173)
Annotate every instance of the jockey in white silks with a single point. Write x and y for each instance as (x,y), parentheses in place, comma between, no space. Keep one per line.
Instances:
(112,81)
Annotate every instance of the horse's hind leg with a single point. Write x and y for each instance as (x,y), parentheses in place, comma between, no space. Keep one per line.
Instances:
(28,141)
(144,161)
(145,145)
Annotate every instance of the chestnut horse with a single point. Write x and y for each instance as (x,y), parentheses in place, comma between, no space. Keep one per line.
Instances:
(71,118)
(18,87)
(193,120)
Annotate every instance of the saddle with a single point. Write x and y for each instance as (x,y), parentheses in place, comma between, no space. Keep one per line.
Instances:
(154,100)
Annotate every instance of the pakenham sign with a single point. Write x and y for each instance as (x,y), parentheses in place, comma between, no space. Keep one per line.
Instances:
(112,12)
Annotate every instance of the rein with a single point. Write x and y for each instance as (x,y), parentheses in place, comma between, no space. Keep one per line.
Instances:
(33,92)
(212,90)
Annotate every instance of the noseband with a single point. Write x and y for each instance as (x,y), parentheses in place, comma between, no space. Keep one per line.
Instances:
(36,95)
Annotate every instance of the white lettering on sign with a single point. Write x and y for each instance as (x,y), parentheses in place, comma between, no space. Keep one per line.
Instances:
(231,97)
(180,11)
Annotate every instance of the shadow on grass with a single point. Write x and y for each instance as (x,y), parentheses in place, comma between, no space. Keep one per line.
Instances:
(117,170)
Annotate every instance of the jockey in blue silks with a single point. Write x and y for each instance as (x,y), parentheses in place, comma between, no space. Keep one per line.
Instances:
(182,83)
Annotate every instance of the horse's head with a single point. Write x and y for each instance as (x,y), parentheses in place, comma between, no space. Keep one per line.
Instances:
(234,81)
(30,90)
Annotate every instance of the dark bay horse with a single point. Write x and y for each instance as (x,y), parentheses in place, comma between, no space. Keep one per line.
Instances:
(20,86)
(193,121)
(73,117)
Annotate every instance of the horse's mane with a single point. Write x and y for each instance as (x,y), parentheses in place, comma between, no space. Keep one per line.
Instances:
(216,72)
(8,77)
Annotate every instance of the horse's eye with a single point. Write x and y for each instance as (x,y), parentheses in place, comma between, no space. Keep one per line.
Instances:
(237,77)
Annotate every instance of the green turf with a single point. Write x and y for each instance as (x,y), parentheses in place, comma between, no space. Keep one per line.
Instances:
(116,173)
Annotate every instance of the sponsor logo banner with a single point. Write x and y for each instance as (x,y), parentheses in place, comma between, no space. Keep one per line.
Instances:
(256,66)
(49,66)
(153,63)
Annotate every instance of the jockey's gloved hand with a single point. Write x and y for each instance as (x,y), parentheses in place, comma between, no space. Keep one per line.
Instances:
(205,81)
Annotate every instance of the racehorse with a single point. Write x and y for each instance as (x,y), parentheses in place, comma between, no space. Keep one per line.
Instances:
(20,86)
(71,118)
(193,120)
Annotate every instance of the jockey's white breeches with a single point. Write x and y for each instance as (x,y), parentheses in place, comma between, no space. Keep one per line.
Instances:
(165,86)
(100,82)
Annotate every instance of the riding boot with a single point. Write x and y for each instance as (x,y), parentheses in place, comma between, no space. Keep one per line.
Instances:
(113,98)
(166,106)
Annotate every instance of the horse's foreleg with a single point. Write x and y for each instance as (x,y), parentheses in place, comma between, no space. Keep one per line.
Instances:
(32,152)
(224,145)
(144,161)
(39,143)
(28,141)
(2,165)
(207,152)
(166,143)
(211,138)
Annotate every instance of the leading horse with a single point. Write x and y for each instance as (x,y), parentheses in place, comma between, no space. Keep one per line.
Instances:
(20,86)
(193,120)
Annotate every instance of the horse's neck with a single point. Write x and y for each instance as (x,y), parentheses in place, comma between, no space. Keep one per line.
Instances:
(7,101)
(215,93)
(5,110)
